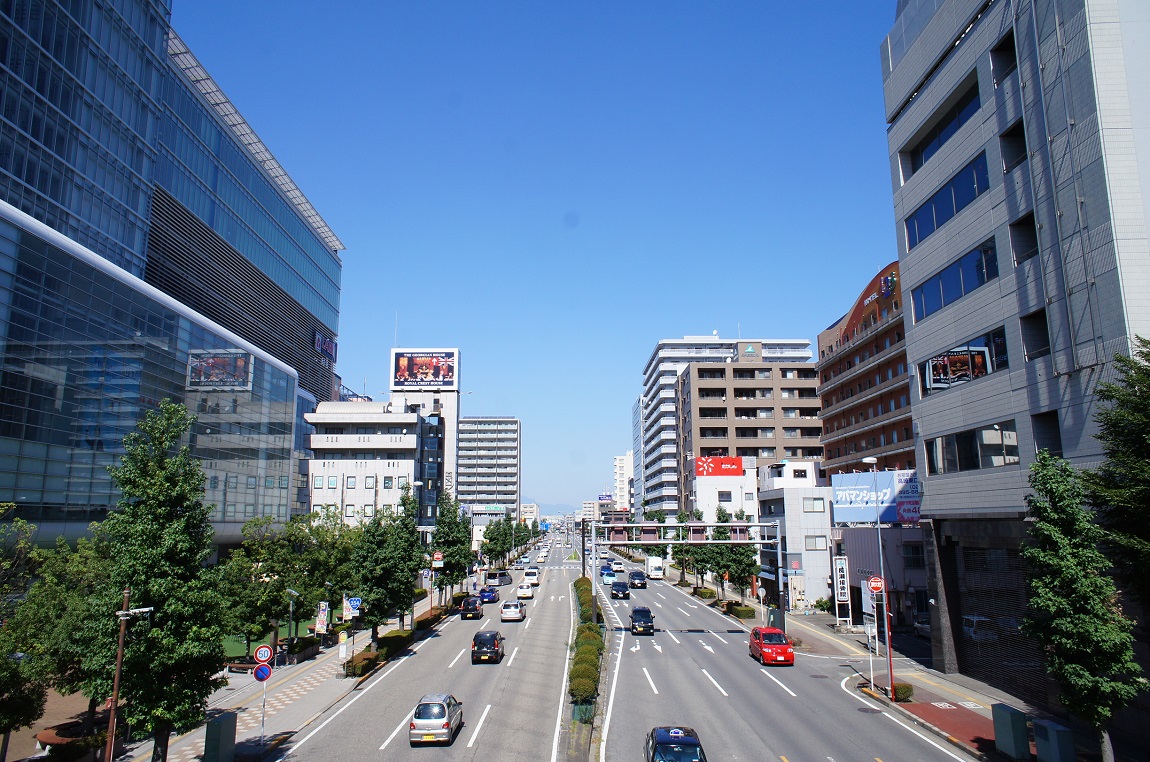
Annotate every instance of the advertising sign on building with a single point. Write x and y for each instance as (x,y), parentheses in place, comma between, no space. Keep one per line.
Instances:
(424,369)
(219,370)
(321,619)
(895,493)
(605,497)
(842,581)
(718,466)
(326,346)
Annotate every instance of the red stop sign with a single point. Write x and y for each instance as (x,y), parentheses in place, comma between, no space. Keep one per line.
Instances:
(875,584)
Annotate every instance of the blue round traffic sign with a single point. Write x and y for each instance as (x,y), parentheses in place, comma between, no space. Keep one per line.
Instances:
(262,672)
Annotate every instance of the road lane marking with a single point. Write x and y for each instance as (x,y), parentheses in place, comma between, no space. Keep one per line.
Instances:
(512,659)
(452,664)
(486,622)
(704,645)
(563,684)
(649,680)
(661,596)
(672,636)
(478,727)
(720,637)
(683,611)
(657,604)
(406,720)
(528,625)
(860,699)
(658,647)
(634,648)
(714,683)
(785,688)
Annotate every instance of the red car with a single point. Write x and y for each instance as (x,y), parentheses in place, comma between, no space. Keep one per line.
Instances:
(771,646)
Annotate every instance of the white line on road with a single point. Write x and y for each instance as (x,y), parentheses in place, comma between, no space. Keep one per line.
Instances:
(661,596)
(768,674)
(452,664)
(704,645)
(486,622)
(658,647)
(478,727)
(688,614)
(672,636)
(720,637)
(563,686)
(649,680)
(512,659)
(528,625)
(657,604)
(708,674)
(843,686)
(398,728)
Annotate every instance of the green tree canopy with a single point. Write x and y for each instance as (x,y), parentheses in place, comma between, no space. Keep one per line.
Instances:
(160,538)
(402,555)
(1073,608)
(453,539)
(23,690)
(1119,489)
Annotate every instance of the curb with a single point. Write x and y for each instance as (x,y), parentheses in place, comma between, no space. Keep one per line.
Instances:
(932,729)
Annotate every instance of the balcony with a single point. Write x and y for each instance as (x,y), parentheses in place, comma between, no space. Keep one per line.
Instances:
(862,397)
(362,442)
(861,427)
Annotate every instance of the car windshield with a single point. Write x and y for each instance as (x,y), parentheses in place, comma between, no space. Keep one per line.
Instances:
(430,712)
(484,640)
(774,638)
(641,616)
(676,753)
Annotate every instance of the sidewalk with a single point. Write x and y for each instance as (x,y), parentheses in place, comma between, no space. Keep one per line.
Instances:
(953,707)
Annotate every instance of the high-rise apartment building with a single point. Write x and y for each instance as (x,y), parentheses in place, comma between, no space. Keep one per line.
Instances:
(864,382)
(1019,145)
(623,480)
(749,408)
(489,462)
(655,418)
(112,135)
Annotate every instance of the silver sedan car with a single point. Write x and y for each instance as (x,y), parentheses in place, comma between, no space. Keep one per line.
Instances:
(436,719)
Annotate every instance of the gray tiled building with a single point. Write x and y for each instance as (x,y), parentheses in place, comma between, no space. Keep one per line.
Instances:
(1019,143)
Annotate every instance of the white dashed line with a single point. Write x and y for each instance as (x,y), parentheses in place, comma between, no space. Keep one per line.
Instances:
(768,674)
(650,681)
(452,664)
(479,726)
(708,674)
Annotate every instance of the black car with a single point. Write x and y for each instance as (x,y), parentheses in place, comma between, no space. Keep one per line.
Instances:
(679,744)
(637,579)
(642,621)
(619,589)
(471,608)
(487,645)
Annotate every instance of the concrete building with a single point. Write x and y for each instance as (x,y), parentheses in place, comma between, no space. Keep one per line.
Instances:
(489,462)
(864,381)
(624,480)
(528,513)
(749,408)
(113,135)
(656,419)
(796,494)
(1019,139)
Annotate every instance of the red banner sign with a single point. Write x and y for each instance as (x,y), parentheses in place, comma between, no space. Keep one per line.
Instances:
(718,466)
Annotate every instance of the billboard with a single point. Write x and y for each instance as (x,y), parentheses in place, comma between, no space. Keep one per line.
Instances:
(957,367)
(855,497)
(718,466)
(424,369)
(219,369)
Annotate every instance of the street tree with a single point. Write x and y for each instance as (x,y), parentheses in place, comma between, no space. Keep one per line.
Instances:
(453,539)
(23,691)
(374,573)
(535,530)
(1119,489)
(160,538)
(402,556)
(1073,609)
(497,541)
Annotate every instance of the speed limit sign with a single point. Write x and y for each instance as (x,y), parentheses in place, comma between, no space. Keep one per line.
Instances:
(263,653)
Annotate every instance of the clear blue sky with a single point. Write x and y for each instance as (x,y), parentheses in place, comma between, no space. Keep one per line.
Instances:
(554,187)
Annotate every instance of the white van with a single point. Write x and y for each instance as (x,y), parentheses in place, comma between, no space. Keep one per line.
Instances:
(654,567)
(979,629)
(531,576)
(496,578)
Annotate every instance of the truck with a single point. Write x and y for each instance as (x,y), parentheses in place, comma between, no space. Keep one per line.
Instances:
(654,567)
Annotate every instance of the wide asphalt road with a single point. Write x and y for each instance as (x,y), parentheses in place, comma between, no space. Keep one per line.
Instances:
(696,671)
(511,710)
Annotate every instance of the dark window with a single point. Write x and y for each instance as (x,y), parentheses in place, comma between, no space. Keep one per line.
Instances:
(976,268)
(1024,238)
(1013,146)
(1003,58)
(948,123)
(971,182)
(1035,335)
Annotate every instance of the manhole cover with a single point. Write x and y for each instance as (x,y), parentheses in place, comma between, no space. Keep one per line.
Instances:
(820,677)
(868,710)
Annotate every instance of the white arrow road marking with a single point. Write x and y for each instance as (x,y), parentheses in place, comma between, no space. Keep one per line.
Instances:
(768,674)
(708,674)
(561,597)
(634,648)
(477,727)
(650,681)
(452,664)
(400,727)
(720,637)
(658,647)
(553,598)
(672,636)
(704,645)
(685,612)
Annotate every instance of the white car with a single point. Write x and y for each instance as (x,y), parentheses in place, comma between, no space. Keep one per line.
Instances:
(531,577)
(512,611)
(617,566)
(525,591)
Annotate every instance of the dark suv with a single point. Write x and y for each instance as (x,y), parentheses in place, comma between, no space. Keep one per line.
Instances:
(487,645)
(619,589)
(642,621)
(471,608)
(637,579)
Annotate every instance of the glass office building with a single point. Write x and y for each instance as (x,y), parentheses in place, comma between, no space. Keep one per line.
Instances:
(113,135)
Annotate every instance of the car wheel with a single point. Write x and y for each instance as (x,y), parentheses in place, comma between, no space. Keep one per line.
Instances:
(762,660)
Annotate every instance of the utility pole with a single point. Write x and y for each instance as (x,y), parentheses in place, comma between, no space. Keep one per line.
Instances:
(125,614)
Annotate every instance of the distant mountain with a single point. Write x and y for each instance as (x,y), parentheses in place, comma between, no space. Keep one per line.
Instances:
(553,509)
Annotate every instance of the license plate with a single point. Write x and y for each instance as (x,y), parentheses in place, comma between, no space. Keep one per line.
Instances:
(429,738)
(484,658)
(780,658)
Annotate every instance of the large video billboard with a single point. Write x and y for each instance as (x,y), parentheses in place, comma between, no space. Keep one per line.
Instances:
(855,496)
(424,369)
(219,370)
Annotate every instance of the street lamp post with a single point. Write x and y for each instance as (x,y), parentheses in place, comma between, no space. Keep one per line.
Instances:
(125,614)
(291,617)
(873,463)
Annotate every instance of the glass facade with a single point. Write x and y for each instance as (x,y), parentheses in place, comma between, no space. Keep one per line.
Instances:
(87,350)
(80,84)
